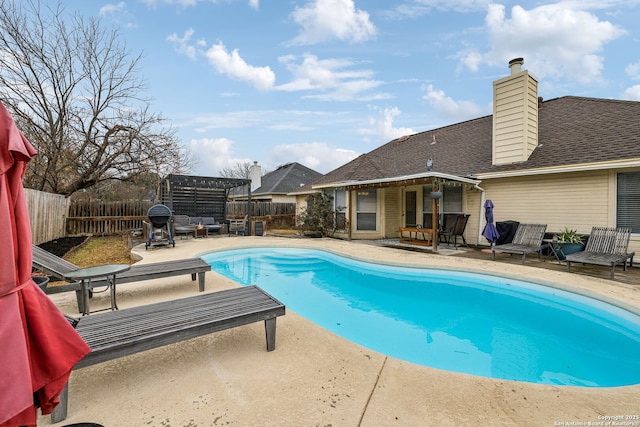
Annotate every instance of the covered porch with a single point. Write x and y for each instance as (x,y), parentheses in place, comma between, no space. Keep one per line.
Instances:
(415,206)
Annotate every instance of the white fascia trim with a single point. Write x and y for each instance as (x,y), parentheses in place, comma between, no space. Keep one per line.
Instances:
(562,169)
(400,178)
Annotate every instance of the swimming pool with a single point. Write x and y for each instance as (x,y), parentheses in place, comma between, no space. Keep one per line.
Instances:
(464,322)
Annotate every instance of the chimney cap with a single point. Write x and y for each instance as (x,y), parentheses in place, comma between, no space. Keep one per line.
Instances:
(516,65)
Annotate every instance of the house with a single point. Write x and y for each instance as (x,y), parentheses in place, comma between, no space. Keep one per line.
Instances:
(565,162)
(276,185)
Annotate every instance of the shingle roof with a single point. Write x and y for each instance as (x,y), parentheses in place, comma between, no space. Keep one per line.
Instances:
(572,130)
(286,178)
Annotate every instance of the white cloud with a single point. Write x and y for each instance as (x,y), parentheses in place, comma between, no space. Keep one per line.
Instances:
(633,70)
(214,154)
(230,64)
(118,13)
(110,9)
(382,126)
(183,3)
(181,44)
(318,156)
(556,40)
(233,66)
(335,77)
(327,20)
(254,4)
(632,93)
(450,109)
(416,8)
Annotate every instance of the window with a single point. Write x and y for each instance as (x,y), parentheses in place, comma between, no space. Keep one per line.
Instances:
(628,201)
(340,208)
(452,199)
(366,209)
(451,202)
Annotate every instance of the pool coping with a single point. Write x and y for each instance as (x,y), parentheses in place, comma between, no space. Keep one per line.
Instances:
(315,377)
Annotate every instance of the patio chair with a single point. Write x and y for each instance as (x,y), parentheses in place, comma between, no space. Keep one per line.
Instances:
(528,239)
(605,246)
(457,230)
(58,267)
(182,226)
(238,225)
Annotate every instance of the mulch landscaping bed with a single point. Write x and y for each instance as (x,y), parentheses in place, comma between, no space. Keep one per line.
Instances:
(63,245)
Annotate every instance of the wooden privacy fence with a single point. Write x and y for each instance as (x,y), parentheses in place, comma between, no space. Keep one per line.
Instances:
(239,209)
(54,216)
(47,214)
(97,217)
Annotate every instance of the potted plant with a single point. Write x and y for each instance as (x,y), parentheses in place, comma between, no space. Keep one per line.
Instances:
(569,242)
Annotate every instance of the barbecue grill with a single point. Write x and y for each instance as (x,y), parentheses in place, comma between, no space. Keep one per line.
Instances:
(160,223)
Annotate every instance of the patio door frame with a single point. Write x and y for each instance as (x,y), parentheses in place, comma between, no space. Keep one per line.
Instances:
(410,208)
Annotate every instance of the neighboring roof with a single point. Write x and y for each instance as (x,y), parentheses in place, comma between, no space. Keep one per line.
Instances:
(285,179)
(302,190)
(572,131)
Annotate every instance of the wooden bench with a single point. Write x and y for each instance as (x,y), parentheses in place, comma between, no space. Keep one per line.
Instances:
(416,235)
(58,267)
(605,246)
(116,334)
(528,239)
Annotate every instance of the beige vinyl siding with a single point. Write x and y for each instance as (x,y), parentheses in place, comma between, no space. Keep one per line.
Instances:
(282,198)
(575,200)
(515,118)
(472,203)
(391,212)
(301,203)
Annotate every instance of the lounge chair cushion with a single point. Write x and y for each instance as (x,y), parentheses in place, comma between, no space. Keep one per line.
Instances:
(207,222)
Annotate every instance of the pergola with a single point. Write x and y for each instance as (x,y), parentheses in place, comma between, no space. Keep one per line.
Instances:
(200,195)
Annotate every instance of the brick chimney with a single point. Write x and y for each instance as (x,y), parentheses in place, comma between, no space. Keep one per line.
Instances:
(515,115)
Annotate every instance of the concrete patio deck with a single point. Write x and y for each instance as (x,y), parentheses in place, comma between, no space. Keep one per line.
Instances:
(316,378)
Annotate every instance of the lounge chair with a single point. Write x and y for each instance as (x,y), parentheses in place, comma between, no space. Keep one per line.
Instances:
(528,239)
(605,246)
(58,267)
(456,230)
(121,333)
(238,225)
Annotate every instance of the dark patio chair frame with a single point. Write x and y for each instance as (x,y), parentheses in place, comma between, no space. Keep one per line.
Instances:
(455,231)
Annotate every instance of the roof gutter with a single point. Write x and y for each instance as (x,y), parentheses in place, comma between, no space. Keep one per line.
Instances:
(562,169)
(382,181)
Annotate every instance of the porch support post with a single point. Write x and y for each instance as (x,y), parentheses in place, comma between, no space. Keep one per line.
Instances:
(348,219)
(434,219)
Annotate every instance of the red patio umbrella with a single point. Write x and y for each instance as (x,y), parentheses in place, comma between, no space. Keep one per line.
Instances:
(38,346)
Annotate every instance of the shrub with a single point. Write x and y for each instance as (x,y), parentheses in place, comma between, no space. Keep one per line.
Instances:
(318,217)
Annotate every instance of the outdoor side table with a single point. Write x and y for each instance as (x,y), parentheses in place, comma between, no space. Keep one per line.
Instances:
(555,250)
(86,274)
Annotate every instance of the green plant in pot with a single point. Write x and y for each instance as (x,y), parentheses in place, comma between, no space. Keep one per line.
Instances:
(569,242)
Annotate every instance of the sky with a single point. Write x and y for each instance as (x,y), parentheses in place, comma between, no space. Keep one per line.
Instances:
(321,82)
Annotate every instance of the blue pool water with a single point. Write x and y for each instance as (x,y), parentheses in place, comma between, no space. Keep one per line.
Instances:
(464,322)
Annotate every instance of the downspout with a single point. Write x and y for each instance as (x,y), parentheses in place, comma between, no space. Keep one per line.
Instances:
(482,200)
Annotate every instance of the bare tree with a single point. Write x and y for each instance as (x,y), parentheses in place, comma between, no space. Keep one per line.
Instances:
(238,170)
(75,92)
